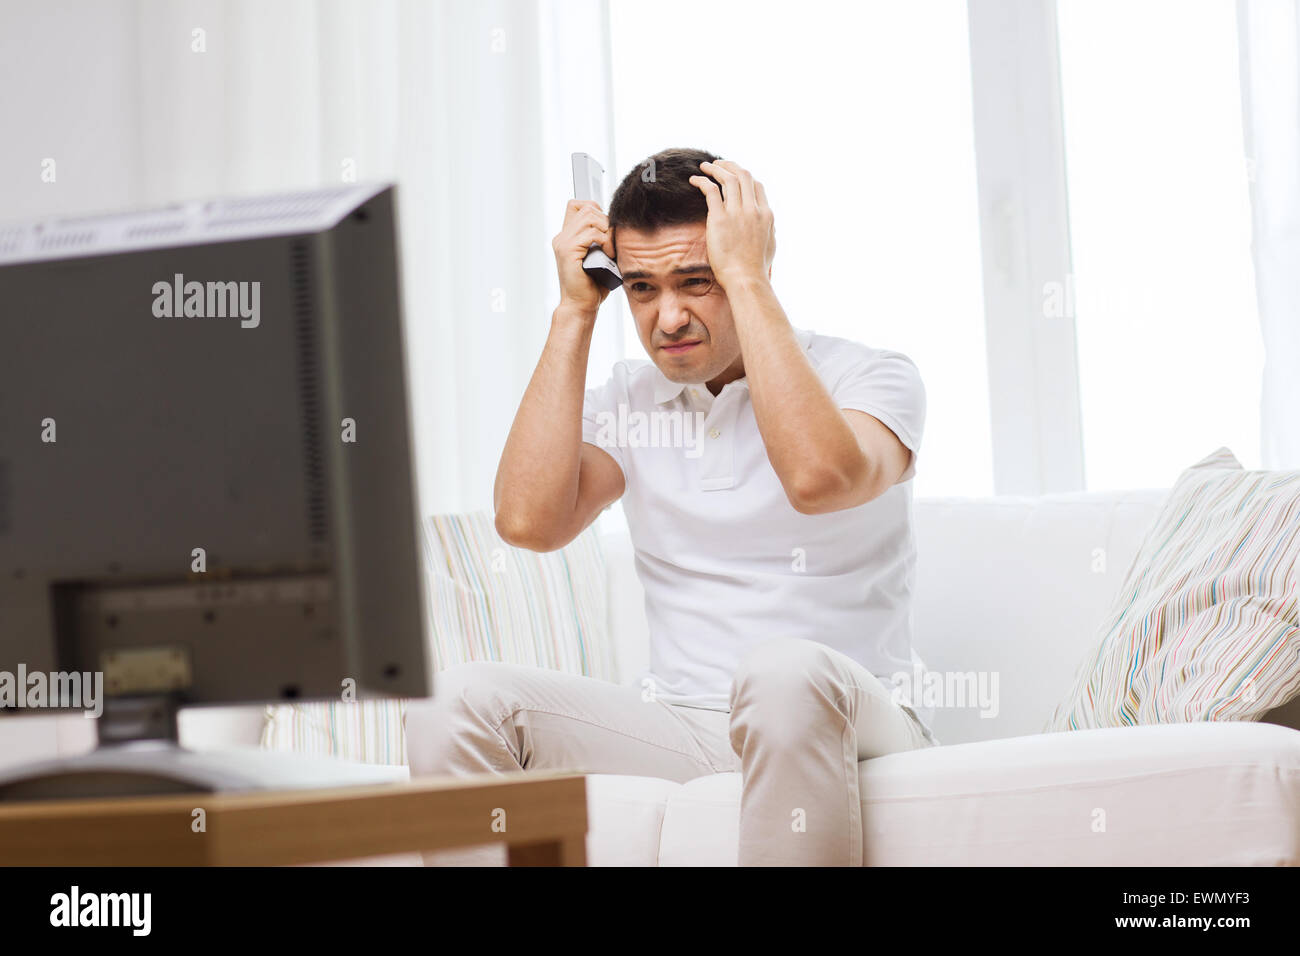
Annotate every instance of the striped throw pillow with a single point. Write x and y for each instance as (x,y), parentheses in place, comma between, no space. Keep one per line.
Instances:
(485,601)
(1205,625)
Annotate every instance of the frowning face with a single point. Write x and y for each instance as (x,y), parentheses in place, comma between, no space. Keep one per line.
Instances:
(682,314)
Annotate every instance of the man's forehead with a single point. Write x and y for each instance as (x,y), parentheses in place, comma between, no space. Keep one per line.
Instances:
(663,252)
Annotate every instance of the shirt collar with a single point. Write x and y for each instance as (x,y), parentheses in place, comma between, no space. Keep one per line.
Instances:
(666,389)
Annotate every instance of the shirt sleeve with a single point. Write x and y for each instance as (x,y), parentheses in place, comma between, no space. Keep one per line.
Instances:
(600,419)
(886,385)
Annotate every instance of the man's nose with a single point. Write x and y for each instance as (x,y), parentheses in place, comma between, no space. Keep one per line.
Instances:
(673,314)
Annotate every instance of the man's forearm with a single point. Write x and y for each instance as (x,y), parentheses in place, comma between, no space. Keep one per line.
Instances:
(537,479)
(809,442)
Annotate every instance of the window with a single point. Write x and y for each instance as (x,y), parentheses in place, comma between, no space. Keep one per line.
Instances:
(858,122)
(1170,356)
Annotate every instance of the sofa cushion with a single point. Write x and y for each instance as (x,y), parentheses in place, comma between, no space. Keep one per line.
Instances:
(624,817)
(1206,625)
(1009,593)
(485,601)
(1127,796)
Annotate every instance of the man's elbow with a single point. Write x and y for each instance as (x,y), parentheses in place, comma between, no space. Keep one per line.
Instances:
(823,490)
(524,534)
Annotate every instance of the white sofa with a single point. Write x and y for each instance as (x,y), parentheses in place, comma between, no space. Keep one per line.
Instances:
(1012,587)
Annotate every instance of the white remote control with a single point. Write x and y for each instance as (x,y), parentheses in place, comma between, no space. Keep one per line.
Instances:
(588,183)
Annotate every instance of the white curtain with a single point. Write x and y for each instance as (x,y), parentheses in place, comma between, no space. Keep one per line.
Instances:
(471,106)
(1269,37)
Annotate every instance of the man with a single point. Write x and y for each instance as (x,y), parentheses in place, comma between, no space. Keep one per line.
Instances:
(775,546)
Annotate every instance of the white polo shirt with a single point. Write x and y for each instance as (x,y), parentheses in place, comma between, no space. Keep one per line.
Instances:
(725,559)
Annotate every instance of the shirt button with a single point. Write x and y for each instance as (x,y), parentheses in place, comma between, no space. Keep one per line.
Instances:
(714,433)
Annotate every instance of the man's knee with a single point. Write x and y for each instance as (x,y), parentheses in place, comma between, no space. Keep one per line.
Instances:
(782,692)
(779,669)
(470,682)
(465,699)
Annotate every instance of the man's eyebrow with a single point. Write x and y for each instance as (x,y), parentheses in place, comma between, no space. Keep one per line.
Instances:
(680,270)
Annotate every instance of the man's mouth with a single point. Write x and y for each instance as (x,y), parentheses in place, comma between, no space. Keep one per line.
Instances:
(676,348)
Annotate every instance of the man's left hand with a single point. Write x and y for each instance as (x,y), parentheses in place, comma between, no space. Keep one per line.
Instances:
(740,232)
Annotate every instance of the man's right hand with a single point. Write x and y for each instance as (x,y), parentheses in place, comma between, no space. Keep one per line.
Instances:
(584,225)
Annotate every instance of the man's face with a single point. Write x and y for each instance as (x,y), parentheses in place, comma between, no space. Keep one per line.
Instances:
(681,313)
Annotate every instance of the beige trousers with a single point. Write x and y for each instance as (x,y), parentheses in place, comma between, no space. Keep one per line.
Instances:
(802,716)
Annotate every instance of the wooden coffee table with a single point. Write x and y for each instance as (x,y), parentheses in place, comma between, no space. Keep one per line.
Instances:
(542,819)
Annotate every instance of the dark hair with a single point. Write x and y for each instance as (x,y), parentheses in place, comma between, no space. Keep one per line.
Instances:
(657,191)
